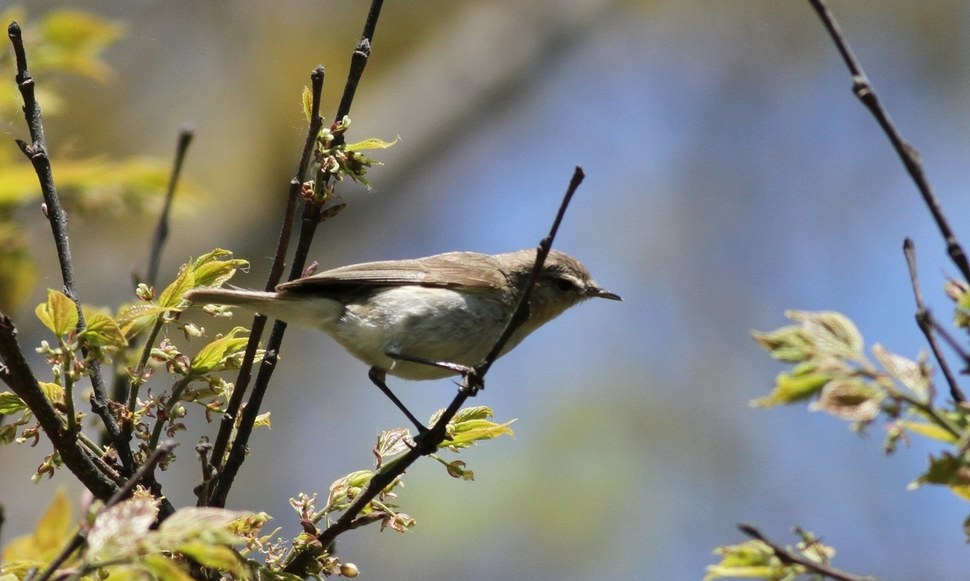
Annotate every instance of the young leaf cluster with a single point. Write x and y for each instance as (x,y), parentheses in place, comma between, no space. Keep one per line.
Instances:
(135,342)
(333,159)
(121,544)
(755,559)
(829,366)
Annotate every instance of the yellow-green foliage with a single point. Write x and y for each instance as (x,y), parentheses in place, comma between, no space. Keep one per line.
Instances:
(62,42)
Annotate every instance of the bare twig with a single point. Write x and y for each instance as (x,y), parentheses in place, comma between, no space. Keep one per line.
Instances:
(926,323)
(791,557)
(80,537)
(429,441)
(309,222)
(951,341)
(522,308)
(908,154)
(36,152)
(161,230)
(357,63)
(225,477)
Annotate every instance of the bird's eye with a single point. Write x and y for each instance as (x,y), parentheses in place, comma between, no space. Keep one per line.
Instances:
(564,284)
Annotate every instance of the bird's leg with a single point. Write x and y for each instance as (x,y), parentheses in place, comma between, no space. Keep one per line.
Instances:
(456,367)
(378,376)
(473,383)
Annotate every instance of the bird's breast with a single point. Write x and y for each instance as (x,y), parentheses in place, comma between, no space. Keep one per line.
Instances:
(432,323)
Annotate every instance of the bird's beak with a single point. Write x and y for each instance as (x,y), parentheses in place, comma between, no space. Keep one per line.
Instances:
(604,294)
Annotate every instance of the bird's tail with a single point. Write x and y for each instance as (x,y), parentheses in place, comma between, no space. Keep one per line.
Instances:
(225,296)
(321,313)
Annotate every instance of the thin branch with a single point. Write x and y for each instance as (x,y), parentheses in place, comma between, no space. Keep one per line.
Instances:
(793,558)
(224,482)
(357,63)
(522,308)
(81,536)
(36,152)
(950,340)
(429,441)
(161,230)
(926,323)
(910,157)
(310,220)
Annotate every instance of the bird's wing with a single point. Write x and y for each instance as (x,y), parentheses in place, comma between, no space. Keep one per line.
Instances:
(468,270)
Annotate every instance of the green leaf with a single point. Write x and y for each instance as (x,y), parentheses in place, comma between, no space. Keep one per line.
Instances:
(307,100)
(214,556)
(53,531)
(793,387)
(11,403)
(118,532)
(102,330)
(263,421)
(216,270)
(464,434)
(832,333)
(372,143)
(53,391)
(59,313)
(164,569)
(750,559)
(950,471)
(850,399)
(74,40)
(914,375)
(789,343)
(171,297)
(932,431)
(219,354)
(134,319)
(210,524)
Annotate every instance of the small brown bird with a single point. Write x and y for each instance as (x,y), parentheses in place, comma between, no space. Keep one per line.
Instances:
(448,307)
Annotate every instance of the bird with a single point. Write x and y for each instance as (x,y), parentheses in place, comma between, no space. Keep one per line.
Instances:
(423,318)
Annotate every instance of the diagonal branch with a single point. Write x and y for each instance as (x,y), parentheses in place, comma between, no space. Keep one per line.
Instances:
(429,441)
(358,61)
(792,558)
(311,217)
(908,154)
(927,324)
(161,229)
(522,307)
(224,481)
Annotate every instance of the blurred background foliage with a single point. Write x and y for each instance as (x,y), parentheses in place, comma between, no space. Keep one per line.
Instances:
(63,42)
(731,176)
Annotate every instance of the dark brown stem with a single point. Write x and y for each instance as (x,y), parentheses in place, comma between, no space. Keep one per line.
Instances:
(791,557)
(522,307)
(357,63)
(226,474)
(311,218)
(927,324)
(909,155)
(161,229)
(36,152)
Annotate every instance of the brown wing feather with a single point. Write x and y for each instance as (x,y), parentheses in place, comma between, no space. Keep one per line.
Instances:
(469,270)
